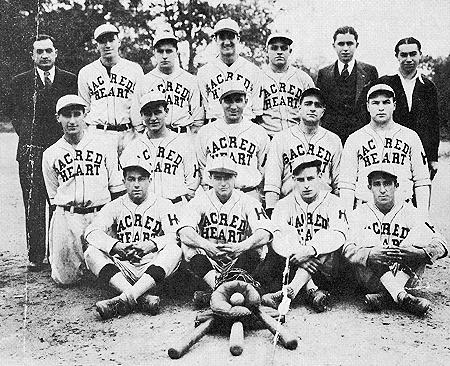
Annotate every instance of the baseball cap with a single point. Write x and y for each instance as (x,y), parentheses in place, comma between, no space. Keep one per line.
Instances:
(378,87)
(313,92)
(136,161)
(226,24)
(388,169)
(283,36)
(302,162)
(232,87)
(68,100)
(105,28)
(221,164)
(162,35)
(152,99)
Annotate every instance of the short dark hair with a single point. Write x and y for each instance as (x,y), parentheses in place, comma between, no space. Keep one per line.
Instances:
(41,37)
(144,172)
(344,30)
(407,40)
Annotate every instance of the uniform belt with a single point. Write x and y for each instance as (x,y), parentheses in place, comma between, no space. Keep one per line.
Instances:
(118,128)
(82,210)
(176,199)
(247,189)
(179,129)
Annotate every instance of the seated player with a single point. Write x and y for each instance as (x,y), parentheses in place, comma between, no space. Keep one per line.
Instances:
(310,227)
(132,244)
(223,228)
(389,244)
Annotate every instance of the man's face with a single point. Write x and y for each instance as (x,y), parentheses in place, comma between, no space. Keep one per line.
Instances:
(233,107)
(311,110)
(154,118)
(279,52)
(381,108)
(72,120)
(166,54)
(227,42)
(345,47)
(108,45)
(136,184)
(308,183)
(44,54)
(383,190)
(223,184)
(409,57)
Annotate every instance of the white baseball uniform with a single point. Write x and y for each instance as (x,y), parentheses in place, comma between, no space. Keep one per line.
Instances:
(245,143)
(288,145)
(399,146)
(77,177)
(281,93)
(211,77)
(182,96)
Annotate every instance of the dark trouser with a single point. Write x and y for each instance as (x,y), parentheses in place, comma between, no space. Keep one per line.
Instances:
(34,199)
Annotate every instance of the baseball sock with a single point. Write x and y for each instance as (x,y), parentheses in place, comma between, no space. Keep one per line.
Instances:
(210,278)
(145,283)
(394,284)
(310,285)
(300,279)
(119,283)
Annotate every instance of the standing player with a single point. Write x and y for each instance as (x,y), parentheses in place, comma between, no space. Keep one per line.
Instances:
(132,244)
(384,141)
(281,86)
(107,85)
(310,227)
(235,135)
(306,138)
(80,173)
(185,112)
(390,243)
(171,155)
(228,66)
(223,228)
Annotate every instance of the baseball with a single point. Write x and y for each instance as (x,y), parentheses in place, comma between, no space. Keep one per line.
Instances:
(237,299)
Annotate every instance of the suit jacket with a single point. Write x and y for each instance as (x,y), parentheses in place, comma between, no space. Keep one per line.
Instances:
(424,115)
(335,119)
(37,126)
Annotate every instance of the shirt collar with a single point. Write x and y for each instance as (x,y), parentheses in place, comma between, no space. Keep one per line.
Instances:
(351,64)
(417,76)
(41,74)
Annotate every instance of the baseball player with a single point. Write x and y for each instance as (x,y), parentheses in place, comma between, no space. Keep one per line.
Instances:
(235,135)
(228,66)
(132,244)
(310,226)
(223,228)
(185,112)
(384,141)
(175,173)
(80,174)
(390,243)
(281,86)
(306,138)
(107,85)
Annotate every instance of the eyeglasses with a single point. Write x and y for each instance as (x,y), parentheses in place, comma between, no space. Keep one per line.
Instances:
(69,114)
(274,47)
(226,35)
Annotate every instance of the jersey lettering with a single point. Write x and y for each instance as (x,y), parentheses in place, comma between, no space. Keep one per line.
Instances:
(120,87)
(85,162)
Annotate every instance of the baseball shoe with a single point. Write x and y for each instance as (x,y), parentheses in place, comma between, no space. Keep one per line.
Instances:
(413,304)
(274,299)
(201,299)
(35,266)
(113,307)
(149,304)
(318,299)
(377,302)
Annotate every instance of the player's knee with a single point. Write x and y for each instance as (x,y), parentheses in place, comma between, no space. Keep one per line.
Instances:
(107,272)
(157,273)
(200,265)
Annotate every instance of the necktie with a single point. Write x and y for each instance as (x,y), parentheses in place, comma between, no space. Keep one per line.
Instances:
(345,73)
(48,82)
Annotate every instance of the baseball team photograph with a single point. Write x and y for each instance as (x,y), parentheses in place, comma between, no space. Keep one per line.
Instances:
(204,182)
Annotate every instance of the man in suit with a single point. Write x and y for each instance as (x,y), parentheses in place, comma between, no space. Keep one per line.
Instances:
(31,105)
(342,83)
(417,103)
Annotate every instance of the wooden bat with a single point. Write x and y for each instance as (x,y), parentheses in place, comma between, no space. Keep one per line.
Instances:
(237,339)
(285,337)
(203,317)
(189,339)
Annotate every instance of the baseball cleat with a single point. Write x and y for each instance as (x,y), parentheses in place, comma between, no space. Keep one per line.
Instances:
(318,299)
(113,307)
(413,304)
(149,304)
(274,299)
(201,299)
(376,302)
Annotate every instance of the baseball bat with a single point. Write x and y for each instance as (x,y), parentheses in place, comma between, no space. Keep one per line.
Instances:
(286,338)
(237,339)
(203,317)
(189,339)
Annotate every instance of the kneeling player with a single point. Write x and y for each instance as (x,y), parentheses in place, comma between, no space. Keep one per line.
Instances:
(310,228)
(132,244)
(390,243)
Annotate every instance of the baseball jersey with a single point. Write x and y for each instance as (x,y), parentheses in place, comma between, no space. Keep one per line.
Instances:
(299,221)
(402,225)
(399,146)
(290,144)
(182,96)
(280,92)
(173,162)
(211,77)
(109,96)
(122,220)
(246,143)
(81,175)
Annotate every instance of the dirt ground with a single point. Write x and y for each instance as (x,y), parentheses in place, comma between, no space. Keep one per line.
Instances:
(42,324)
